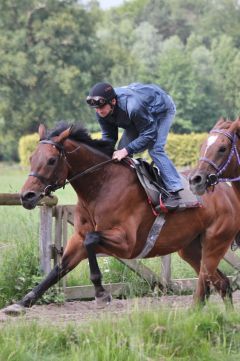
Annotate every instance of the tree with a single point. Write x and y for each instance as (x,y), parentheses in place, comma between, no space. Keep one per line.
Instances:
(226,75)
(220,17)
(49,58)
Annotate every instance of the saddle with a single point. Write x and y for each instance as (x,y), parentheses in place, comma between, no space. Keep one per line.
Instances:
(151,181)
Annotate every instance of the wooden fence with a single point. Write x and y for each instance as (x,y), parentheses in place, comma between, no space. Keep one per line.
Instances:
(53,237)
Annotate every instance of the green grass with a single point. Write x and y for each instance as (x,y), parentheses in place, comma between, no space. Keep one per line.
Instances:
(209,335)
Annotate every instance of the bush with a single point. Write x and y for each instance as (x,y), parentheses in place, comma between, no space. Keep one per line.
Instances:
(183,149)
(27,144)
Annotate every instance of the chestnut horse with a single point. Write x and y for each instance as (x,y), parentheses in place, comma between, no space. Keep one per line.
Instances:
(218,170)
(113,217)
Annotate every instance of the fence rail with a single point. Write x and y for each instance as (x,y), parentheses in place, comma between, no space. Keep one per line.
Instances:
(53,238)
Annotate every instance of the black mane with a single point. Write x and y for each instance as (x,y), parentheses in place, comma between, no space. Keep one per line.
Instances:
(80,134)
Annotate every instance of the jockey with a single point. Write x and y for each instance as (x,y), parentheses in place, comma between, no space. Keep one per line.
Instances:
(145,112)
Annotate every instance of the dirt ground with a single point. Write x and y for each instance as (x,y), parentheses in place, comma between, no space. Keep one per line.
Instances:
(83,311)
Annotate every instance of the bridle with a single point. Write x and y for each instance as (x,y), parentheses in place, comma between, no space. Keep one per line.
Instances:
(213,178)
(62,153)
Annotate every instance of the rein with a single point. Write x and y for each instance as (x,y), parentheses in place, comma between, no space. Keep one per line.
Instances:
(213,179)
(53,187)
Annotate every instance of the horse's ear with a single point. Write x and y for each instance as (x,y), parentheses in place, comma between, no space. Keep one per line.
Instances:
(65,134)
(42,131)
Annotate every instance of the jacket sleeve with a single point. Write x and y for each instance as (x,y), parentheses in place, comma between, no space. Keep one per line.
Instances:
(109,131)
(146,127)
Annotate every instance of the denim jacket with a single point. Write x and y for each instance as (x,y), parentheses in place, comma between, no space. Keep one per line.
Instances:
(137,105)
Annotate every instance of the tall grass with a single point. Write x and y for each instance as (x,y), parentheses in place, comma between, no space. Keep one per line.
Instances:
(184,335)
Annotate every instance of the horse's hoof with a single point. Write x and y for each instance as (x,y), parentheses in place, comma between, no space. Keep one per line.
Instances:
(14,310)
(104,300)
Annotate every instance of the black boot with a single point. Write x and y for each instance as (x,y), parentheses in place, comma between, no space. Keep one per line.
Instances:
(172,202)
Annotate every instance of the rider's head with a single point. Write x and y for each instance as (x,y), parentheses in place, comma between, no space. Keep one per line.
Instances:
(102,97)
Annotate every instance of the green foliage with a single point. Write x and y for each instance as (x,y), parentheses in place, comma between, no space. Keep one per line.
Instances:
(52,53)
(49,57)
(170,45)
(27,144)
(165,334)
(8,147)
(183,149)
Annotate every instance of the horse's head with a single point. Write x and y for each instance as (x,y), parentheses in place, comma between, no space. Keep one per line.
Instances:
(219,157)
(49,168)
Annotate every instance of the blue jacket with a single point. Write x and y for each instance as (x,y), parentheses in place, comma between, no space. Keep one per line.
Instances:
(138,105)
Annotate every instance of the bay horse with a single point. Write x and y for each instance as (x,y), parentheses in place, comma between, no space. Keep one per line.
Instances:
(113,217)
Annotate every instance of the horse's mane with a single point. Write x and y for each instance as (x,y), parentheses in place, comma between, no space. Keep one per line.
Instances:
(80,134)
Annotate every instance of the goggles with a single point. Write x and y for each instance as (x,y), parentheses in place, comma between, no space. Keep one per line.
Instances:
(96,102)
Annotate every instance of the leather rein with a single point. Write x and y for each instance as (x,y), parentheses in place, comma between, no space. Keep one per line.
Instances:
(62,153)
(213,178)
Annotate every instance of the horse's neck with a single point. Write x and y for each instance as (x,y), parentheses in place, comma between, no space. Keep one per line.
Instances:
(80,158)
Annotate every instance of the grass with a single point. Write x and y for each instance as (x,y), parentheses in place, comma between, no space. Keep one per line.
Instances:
(209,335)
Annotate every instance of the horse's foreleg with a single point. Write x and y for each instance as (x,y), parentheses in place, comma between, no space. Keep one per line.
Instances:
(223,287)
(73,254)
(92,240)
(210,273)
(192,254)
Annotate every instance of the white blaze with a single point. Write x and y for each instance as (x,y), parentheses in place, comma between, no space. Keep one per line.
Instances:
(211,140)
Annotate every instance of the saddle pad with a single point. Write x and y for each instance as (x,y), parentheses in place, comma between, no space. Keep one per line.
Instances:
(188,199)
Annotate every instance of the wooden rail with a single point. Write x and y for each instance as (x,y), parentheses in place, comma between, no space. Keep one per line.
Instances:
(13,199)
(53,237)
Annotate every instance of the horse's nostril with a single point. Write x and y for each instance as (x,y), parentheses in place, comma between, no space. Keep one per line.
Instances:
(29,195)
(196,180)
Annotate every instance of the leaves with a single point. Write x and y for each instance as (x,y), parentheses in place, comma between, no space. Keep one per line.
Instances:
(53,52)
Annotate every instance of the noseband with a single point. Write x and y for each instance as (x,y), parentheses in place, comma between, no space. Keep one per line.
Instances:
(213,178)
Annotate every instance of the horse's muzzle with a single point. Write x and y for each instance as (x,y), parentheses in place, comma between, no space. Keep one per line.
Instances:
(30,199)
(198,183)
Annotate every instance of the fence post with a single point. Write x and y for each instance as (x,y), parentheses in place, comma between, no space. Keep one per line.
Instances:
(166,270)
(45,238)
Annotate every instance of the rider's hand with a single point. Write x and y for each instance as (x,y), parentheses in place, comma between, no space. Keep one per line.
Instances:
(120,154)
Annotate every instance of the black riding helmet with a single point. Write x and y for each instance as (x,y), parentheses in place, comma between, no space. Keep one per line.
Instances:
(100,94)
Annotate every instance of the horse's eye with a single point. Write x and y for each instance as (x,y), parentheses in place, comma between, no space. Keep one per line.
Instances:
(51,161)
(222,149)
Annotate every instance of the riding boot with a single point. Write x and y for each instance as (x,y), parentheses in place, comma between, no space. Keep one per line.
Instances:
(172,202)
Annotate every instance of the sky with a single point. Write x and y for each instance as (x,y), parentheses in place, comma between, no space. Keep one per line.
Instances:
(106,4)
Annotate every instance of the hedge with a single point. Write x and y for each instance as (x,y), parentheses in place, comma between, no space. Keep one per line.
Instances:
(26,146)
(183,149)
